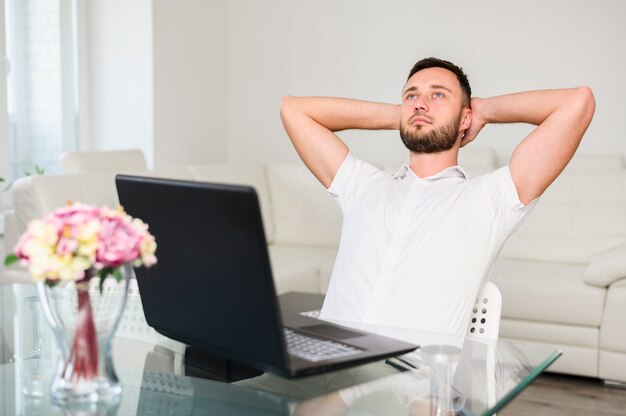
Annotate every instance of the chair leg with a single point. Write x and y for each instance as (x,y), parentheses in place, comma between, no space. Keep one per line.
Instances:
(491,375)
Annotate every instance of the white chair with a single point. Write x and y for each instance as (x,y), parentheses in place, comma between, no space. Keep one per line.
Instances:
(484,328)
(485,319)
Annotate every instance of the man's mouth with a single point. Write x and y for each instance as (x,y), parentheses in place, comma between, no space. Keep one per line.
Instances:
(418,120)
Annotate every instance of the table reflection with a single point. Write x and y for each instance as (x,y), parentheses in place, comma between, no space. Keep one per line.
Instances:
(484,377)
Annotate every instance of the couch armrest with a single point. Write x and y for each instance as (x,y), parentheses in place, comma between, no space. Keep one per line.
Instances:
(613,327)
(11,231)
(607,268)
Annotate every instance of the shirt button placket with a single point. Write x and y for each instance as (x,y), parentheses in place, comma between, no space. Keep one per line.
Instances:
(398,241)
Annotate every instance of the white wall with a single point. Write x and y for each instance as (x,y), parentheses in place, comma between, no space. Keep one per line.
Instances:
(221,66)
(190,81)
(120,96)
(365,48)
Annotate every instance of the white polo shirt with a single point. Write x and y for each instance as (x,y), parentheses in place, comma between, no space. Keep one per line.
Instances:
(415,251)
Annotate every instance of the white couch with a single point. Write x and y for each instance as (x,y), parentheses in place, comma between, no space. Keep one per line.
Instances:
(562,275)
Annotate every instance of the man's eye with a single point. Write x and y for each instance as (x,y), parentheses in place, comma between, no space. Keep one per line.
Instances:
(411,97)
(438,94)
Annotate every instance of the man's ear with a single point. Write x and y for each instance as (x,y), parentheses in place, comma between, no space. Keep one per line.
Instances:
(466,120)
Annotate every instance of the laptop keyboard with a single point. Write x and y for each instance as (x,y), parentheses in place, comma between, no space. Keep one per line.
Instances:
(313,349)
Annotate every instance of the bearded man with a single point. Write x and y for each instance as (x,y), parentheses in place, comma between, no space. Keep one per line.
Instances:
(417,245)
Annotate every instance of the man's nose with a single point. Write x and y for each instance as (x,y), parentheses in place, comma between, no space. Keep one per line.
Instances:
(420,105)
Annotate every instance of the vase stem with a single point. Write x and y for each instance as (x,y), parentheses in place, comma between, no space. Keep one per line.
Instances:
(84,351)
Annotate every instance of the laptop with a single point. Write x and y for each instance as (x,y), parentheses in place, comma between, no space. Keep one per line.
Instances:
(213,289)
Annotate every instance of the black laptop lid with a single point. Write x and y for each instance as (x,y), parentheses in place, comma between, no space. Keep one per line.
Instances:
(212,286)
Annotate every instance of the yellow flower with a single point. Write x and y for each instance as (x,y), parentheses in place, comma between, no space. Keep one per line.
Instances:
(88,239)
(44,232)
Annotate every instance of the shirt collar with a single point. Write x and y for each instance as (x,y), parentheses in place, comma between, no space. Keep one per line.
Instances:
(450,172)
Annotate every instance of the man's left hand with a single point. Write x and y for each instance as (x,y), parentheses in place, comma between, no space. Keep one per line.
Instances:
(477,123)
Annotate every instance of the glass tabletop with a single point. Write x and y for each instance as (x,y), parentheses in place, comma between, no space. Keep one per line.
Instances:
(479,377)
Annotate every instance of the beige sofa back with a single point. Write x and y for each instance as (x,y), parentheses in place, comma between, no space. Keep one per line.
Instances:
(304,211)
(295,208)
(579,217)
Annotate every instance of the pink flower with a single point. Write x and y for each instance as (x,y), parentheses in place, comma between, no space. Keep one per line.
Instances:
(78,237)
(120,242)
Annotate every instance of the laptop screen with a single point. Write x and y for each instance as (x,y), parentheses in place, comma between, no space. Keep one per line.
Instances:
(212,287)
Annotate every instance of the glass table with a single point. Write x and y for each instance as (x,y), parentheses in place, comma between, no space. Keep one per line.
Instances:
(483,376)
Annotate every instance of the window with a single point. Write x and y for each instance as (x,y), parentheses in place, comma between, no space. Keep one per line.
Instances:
(42,83)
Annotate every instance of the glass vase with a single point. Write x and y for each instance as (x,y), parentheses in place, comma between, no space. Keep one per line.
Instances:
(84,320)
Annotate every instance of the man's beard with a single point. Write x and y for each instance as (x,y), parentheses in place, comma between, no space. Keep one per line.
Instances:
(437,140)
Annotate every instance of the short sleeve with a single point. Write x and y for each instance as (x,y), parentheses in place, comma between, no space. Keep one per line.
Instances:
(505,199)
(349,179)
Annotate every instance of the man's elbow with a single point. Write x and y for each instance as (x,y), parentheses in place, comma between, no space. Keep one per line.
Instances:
(287,105)
(587,103)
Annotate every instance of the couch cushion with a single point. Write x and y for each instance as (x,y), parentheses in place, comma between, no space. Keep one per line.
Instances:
(607,267)
(296,267)
(580,216)
(303,210)
(613,335)
(251,175)
(477,157)
(547,292)
(548,332)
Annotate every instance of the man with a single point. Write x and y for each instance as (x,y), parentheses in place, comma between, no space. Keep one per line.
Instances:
(417,245)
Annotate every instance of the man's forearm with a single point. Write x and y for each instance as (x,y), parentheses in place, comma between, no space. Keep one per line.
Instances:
(338,114)
(532,107)
(561,116)
(310,123)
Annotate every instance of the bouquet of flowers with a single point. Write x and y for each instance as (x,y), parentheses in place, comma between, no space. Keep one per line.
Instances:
(76,243)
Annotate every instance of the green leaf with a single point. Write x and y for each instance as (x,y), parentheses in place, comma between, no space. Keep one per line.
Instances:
(10,259)
(117,273)
(102,274)
(51,283)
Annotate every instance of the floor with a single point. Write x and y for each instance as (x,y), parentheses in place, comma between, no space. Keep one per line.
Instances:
(556,394)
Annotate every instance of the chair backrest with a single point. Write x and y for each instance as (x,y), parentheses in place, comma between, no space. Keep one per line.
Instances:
(485,327)
(103,161)
(485,318)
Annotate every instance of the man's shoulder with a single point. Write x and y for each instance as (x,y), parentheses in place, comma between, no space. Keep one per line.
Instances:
(355,174)
(500,186)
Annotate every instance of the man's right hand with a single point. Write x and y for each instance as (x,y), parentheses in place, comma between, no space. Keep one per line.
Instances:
(311,122)
(477,122)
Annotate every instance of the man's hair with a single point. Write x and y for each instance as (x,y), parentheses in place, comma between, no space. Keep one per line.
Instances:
(433,62)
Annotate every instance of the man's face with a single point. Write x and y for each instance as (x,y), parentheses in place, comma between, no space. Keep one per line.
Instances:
(431,111)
